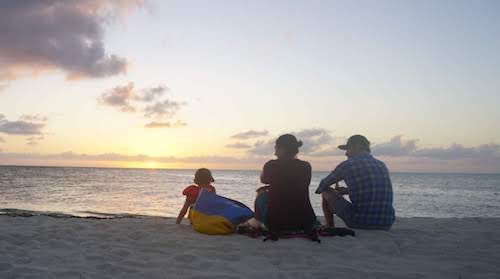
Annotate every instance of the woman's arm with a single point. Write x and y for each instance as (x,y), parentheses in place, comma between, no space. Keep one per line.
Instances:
(264,175)
(183,212)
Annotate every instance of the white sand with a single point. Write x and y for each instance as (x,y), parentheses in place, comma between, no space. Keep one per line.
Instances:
(47,247)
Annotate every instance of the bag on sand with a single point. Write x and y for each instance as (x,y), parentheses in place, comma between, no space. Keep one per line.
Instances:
(214,214)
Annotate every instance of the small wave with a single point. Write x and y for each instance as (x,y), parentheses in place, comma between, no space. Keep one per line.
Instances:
(14,212)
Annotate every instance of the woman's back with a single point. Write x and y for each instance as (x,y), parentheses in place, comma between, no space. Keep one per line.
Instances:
(289,204)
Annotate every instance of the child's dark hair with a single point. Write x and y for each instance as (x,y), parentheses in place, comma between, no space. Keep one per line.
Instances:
(289,143)
(203,176)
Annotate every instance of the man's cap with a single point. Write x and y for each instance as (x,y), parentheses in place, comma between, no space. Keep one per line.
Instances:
(355,140)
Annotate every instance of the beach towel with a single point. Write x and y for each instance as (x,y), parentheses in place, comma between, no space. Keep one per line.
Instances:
(214,214)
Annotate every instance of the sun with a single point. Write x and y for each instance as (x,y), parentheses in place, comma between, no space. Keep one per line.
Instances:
(151,165)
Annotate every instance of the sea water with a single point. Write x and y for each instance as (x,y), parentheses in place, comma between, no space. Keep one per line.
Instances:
(158,192)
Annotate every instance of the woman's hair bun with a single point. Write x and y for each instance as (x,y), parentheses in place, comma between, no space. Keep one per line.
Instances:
(299,143)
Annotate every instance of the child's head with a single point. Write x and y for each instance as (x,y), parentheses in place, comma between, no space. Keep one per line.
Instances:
(203,176)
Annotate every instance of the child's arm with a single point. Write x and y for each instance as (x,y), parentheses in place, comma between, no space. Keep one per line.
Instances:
(183,212)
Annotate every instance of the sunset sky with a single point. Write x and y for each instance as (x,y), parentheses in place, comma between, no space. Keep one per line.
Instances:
(186,84)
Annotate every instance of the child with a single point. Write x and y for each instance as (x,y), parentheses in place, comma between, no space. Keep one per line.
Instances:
(202,179)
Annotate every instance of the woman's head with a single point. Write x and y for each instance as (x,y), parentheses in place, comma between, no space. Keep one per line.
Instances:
(287,146)
(203,176)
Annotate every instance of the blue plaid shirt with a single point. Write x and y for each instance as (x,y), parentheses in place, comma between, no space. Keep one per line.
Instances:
(370,189)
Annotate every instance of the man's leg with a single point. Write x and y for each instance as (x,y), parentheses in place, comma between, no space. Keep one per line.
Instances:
(336,204)
(327,212)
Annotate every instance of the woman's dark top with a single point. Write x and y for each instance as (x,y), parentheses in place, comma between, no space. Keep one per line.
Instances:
(289,204)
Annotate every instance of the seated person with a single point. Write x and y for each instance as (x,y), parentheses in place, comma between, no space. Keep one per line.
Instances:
(202,179)
(369,188)
(284,204)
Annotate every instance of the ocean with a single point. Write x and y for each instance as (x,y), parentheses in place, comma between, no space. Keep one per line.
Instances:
(158,192)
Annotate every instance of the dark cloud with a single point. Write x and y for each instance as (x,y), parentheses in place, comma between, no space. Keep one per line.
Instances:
(123,97)
(37,36)
(21,127)
(239,145)
(250,134)
(149,101)
(162,110)
(119,97)
(158,125)
(262,148)
(149,95)
(314,140)
(27,125)
(395,147)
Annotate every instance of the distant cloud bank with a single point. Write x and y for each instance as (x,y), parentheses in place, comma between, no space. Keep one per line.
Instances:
(38,36)
(250,134)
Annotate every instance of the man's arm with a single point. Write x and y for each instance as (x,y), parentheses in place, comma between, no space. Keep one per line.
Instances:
(334,177)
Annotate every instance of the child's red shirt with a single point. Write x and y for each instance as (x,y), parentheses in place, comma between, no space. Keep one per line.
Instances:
(192,191)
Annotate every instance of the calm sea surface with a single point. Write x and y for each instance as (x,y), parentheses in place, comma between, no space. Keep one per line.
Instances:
(78,191)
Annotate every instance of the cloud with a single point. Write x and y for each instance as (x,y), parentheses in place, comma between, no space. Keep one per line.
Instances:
(239,145)
(314,140)
(119,97)
(151,94)
(34,117)
(262,148)
(459,152)
(180,124)
(21,127)
(116,157)
(38,36)
(395,147)
(250,134)
(27,125)
(149,101)
(34,140)
(158,125)
(162,110)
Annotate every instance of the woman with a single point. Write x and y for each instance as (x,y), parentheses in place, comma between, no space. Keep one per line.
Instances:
(284,204)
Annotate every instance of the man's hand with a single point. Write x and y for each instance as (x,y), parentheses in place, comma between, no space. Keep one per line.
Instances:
(342,190)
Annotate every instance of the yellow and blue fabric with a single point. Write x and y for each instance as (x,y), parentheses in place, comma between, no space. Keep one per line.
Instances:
(214,214)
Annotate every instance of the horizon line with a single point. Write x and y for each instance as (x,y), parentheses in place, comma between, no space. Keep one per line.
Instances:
(219,169)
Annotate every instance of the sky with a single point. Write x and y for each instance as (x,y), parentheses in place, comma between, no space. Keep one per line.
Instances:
(188,84)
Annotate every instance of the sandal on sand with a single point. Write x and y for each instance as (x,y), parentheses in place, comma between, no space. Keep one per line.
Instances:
(332,231)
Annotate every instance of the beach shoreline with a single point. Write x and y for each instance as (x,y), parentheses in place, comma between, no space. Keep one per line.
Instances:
(154,247)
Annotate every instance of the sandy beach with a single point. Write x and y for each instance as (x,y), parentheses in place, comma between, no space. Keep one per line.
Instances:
(48,247)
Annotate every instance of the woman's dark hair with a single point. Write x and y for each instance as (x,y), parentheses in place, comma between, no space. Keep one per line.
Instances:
(289,144)
(203,176)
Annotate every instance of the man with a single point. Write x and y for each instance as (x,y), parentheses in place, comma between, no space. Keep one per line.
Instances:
(369,188)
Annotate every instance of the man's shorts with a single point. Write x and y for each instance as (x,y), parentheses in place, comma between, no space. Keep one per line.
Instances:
(343,209)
